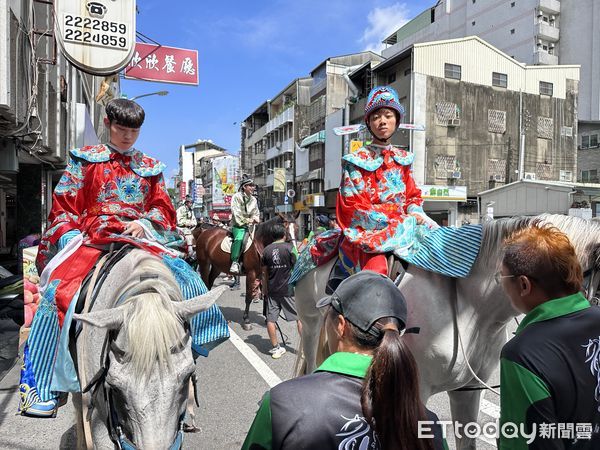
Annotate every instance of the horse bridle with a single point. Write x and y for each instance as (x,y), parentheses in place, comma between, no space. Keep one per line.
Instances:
(115,429)
(591,283)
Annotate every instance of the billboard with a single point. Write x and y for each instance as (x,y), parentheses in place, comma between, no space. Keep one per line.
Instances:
(225,169)
(164,64)
(97,36)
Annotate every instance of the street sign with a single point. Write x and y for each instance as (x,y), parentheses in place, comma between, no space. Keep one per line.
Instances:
(98,36)
(164,64)
(291,193)
(286,200)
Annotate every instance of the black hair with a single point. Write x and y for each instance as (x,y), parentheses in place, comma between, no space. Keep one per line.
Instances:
(390,392)
(278,231)
(126,113)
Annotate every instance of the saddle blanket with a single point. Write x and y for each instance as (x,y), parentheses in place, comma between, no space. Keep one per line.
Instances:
(449,251)
(228,241)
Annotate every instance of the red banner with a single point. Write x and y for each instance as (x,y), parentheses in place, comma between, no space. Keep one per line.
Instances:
(164,64)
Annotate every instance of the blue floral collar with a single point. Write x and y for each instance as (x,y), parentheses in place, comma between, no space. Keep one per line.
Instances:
(140,163)
(362,157)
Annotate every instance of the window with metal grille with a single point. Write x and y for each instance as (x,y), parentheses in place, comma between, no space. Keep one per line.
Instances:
(497,169)
(593,140)
(444,166)
(499,79)
(391,77)
(496,121)
(543,171)
(545,127)
(452,71)
(546,88)
(445,112)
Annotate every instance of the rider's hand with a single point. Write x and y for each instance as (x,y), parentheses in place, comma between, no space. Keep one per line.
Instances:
(419,217)
(134,229)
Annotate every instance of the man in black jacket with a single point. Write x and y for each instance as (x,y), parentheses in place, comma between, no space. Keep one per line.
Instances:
(550,370)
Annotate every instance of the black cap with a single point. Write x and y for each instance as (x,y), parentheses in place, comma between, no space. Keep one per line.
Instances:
(366,297)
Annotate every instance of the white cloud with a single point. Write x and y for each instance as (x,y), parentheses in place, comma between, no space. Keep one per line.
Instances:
(383,21)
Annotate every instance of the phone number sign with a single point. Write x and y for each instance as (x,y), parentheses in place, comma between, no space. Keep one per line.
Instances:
(96,36)
(163,64)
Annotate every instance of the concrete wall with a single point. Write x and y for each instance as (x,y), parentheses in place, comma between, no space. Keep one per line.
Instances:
(473,145)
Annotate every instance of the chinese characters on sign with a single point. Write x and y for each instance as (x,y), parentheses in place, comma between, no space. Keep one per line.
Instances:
(166,64)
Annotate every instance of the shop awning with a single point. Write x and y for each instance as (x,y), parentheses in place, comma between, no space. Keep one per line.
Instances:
(313,139)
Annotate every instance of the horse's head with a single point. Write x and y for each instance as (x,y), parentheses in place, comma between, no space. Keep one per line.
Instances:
(291,228)
(149,361)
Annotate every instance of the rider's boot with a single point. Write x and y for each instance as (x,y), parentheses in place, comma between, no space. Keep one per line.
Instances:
(235,268)
(30,403)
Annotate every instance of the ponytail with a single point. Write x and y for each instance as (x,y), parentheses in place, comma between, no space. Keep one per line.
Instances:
(390,395)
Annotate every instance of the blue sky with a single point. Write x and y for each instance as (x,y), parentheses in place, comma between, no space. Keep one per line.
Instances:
(248,51)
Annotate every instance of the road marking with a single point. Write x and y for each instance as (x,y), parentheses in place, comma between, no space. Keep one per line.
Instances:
(255,361)
(489,408)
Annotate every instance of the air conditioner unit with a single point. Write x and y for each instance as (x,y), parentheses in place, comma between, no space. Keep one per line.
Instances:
(540,14)
(455,175)
(551,46)
(454,122)
(529,176)
(287,164)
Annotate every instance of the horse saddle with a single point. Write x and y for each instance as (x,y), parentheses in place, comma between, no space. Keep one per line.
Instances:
(228,241)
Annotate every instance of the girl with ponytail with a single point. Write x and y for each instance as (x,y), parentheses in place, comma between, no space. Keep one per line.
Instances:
(366,394)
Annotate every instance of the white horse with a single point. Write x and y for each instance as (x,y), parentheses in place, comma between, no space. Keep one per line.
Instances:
(137,348)
(463,321)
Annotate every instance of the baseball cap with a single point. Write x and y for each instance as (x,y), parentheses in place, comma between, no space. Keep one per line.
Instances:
(366,297)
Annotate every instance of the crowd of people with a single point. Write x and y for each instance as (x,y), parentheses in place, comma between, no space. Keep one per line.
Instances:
(366,394)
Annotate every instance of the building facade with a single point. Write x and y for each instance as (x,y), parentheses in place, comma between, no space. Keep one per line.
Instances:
(47,106)
(535,32)
(486,125)
(189,179)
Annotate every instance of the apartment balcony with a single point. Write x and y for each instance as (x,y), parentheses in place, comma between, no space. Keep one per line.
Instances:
(549,6)
(544,58)
(547,32)
(256,136)
(279,149)
(285,116)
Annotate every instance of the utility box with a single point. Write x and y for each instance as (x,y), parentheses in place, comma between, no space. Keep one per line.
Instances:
(9,161)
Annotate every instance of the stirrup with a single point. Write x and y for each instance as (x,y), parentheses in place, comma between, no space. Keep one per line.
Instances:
(235,268)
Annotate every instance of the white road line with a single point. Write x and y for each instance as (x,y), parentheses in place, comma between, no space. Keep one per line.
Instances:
(489,408)
(259,365)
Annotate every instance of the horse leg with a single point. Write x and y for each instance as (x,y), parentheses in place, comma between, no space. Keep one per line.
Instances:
(464,406)
(214,273)
(250,290)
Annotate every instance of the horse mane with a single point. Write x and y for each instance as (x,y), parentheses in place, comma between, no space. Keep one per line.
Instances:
(152,326)
(586,241)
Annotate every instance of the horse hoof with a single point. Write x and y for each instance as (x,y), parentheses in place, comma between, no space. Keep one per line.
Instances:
(246,327)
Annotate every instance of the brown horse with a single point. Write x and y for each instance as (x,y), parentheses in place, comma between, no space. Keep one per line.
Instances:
(213,261)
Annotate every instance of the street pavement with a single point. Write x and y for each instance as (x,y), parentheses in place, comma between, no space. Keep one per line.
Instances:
(231,382)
